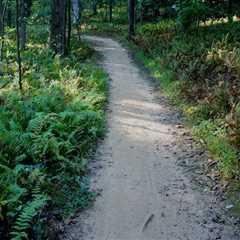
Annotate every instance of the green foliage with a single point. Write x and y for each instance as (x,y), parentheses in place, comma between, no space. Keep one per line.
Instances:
(100,24)
(47,133)
(158,34)
(216,139)
(25,218)
(200,74)
(190,13)
(149,9)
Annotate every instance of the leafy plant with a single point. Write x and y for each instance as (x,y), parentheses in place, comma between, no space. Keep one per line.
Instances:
(190,13)
(47,134)
(25,218)
(200,74)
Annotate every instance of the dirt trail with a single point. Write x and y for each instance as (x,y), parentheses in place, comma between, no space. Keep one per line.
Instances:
(145,194)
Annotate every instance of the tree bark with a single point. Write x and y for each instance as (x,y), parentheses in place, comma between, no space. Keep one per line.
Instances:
(131,18)
(58,27)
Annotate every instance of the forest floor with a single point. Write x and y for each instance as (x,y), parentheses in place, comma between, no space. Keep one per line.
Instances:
(148,170)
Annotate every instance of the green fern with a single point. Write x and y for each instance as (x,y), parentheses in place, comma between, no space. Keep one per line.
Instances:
(45,137)
(24,220)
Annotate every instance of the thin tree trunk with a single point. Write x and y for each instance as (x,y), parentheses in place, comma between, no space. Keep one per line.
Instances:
(19,60)
(23,24)
(3,9)
(110,10)
(1,18)
(1,36)
(69,29)
(79,11)
(131,18)
(141,13)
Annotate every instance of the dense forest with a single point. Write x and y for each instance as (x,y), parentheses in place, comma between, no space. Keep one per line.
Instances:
(53,94)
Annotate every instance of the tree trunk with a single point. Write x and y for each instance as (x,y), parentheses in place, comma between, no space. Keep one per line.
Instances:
(95,12)
(69,29)
(131,18)
(23,23)
(24,13)
(1,37)
(1,18)
(58,27)
(141,12)
(80,8)
(9,17)
(3,9)
(110,10)
(19,60)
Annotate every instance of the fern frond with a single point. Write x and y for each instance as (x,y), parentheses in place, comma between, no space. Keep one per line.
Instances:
(24,220)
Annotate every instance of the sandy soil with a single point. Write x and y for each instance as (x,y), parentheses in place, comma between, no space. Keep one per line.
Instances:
(146,192)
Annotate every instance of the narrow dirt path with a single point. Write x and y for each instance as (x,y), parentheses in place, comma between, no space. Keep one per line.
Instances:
(144,193)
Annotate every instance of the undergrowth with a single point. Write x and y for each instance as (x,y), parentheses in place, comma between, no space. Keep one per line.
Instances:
(199,72)
(99,24)
(47,133)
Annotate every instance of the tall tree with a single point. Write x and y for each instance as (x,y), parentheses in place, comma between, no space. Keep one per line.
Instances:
(131,17)
(58,26)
